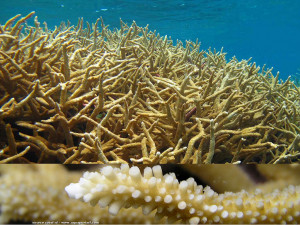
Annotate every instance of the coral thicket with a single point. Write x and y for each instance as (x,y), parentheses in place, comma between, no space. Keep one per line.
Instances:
(91,94)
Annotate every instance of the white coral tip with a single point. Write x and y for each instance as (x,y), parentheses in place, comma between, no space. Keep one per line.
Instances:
(108,172)
(74,191)
(135,174)
(194,220)
(157,171)
(115,207)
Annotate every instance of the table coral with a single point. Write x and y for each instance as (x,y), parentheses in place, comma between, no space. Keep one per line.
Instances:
(183,201)
(91,94)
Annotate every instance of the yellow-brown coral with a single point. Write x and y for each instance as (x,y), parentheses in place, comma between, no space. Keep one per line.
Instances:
(77,95)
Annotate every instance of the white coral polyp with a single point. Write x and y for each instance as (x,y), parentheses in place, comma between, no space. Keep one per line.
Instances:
(74,190)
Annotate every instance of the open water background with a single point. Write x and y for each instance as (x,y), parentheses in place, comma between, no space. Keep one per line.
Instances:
(266,30)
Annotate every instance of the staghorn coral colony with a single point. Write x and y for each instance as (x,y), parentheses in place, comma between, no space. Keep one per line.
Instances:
(88,94)
(82,95)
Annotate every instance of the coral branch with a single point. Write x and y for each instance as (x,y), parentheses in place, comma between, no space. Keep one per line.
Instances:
(183,201)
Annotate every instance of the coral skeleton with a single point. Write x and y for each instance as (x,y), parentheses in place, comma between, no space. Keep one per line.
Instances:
(80,94)
(185,201)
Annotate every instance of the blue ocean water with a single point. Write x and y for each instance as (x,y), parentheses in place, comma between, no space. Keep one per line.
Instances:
(266,30)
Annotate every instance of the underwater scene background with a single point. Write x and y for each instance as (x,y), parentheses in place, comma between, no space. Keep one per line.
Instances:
(86,93)
(268,31)
(109,90)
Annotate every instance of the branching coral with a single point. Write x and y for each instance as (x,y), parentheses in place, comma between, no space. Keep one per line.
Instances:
(36,194)
(280,175)
(234,179)
(77,95)
(222,178)
(185,201)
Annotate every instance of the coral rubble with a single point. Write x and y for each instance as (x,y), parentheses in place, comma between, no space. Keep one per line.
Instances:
(79,95)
